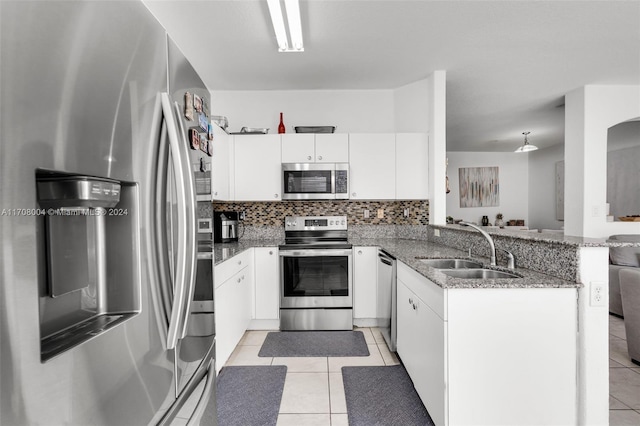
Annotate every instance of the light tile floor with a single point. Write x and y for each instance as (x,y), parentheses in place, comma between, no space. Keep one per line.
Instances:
(624,378)
(314,393)
(313,390)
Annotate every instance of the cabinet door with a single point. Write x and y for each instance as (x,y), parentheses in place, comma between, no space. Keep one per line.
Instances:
(412,166)
(244,302)
(225,317)
(267,283)
(420,342)
(372,171)
(257,168)
(365,282)
(332,148)
(298,148)
(220,164)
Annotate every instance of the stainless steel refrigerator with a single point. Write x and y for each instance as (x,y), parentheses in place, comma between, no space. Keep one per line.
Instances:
(103,150)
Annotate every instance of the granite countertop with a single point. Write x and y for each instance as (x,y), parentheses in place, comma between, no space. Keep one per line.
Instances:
(558,238)
(409,252)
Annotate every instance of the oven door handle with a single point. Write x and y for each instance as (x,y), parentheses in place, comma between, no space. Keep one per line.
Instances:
(316,252)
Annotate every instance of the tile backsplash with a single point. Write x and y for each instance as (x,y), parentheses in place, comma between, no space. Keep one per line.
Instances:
(272,214)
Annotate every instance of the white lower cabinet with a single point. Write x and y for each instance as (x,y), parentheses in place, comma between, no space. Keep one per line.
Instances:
(490,356)
(365,278)
(233,303)
(267,283)
(421,345)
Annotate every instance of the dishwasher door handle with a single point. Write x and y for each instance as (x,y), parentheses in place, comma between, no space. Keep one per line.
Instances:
(386,261)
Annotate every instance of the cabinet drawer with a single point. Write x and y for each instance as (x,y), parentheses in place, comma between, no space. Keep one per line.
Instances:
(432,294)
(232,266)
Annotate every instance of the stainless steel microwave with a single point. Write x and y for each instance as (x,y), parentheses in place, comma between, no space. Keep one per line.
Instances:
(315,181)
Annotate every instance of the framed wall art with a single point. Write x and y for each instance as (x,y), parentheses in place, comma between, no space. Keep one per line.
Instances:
(479,187)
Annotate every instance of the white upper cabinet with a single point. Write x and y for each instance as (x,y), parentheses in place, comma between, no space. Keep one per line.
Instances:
(315,148)
(257,168)
(221,166)
(412,166)
(372,166)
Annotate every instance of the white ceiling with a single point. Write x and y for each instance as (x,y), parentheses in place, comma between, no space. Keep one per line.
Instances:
(509,63)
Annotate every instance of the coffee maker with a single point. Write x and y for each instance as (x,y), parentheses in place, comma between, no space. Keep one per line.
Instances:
(225,227)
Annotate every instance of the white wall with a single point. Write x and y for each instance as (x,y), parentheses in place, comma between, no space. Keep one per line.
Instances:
(542,187)
(589,112)
(349,110)
(411,107)
(513,175)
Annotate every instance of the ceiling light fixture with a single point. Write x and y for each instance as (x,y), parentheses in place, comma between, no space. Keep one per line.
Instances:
(527,146)
(295,26)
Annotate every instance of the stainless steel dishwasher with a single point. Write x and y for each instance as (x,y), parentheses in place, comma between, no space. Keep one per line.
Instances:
(387,298)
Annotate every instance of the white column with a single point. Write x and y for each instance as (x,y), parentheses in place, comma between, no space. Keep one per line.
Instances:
(437,147)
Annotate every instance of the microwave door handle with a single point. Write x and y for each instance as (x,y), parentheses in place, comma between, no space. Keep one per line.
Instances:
(333,181)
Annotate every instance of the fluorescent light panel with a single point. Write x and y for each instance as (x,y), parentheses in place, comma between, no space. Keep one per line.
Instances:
(295,25)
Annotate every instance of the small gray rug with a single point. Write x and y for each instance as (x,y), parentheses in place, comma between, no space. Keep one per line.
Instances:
(382,396)
(314,343)
(248,396)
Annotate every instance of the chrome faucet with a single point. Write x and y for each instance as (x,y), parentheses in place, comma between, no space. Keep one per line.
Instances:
(511,262)
(488,237)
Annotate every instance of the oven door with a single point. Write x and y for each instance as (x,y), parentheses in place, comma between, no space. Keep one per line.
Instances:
(316,278)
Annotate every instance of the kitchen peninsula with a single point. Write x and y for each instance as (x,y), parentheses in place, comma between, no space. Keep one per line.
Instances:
(478,350)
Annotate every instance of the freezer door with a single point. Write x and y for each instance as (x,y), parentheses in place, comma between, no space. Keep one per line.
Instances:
(78,98)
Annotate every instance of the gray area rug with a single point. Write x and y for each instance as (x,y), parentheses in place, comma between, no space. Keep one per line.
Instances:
(314,343)
(382,396)
(247,396)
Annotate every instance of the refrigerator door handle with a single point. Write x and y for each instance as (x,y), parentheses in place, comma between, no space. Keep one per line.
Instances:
(181,298)
(191,221)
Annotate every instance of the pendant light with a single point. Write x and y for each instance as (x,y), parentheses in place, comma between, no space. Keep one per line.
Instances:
(527,146)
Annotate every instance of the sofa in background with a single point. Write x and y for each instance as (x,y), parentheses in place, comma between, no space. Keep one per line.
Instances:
(630,290)
(621,258)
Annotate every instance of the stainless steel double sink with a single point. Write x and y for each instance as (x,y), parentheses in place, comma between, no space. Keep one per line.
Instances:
(463,268)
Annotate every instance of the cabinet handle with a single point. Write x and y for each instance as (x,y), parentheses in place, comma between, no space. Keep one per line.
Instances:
(308,157)
(319,157)
(353,194)
(239,280)
(275,195)
(270,252)
(215,193)
(414,306)
(239,262)
(359,251)
(410,301)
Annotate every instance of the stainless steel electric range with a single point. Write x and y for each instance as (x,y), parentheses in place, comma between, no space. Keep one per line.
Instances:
(316,282)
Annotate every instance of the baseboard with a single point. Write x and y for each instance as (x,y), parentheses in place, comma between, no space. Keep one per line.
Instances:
(263,324)
(365,322)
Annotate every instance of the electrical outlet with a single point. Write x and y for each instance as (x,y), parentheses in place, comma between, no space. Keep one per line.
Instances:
(380,213)
(436,232)
(241,216)
(365,213)
(406,212)
(597,293)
